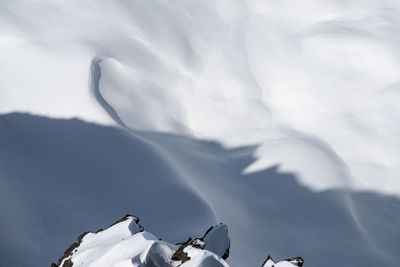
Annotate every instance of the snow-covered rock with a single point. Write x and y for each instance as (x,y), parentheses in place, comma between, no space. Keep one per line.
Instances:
(126,243)
(291,262)
(215,240)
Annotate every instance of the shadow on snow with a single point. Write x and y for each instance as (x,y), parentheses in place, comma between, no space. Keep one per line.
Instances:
(59,178)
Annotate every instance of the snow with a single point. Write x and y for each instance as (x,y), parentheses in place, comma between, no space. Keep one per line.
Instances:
(110,247)
(271,263)
(280,119)
(179,186)
(291,262)
(203,258)
(229,72)
(123,244)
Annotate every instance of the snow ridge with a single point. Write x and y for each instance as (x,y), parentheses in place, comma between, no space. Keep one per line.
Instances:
(126,243)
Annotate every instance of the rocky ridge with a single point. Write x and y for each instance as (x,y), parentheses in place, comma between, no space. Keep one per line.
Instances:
(126,243)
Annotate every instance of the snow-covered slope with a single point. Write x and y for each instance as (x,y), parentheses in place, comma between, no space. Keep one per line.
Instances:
(277,118)
(60,178)
(321,77)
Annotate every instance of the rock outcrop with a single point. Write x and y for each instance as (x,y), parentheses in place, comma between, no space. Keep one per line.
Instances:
(290,262)
(126,243)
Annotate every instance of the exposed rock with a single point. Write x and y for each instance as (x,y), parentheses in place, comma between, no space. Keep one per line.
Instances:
(179,254)
(215,240)
(297,261)
(127,237)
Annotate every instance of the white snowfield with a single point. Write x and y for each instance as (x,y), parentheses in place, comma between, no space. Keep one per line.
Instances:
(316,80)
(277,118)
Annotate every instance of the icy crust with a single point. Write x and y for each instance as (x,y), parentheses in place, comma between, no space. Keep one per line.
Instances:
(125,243)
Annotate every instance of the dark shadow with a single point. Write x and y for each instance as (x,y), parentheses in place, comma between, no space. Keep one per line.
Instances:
(94,78)
(59,178)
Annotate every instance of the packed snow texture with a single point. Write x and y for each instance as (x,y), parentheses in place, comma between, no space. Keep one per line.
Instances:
(278,118)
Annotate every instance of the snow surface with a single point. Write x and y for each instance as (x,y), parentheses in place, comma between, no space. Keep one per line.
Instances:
(271,263)
(291,262)
(278,118)
(124,244)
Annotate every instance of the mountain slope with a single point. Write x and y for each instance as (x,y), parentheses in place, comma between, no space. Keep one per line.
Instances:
(57,182)
(279,119)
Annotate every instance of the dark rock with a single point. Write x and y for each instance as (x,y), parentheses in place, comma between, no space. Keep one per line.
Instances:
(68,263)
(211,241)
(179,254)
(297,261)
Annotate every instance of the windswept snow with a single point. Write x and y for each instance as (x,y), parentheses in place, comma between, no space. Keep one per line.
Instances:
(60,178)
(227,71)
(278,118)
